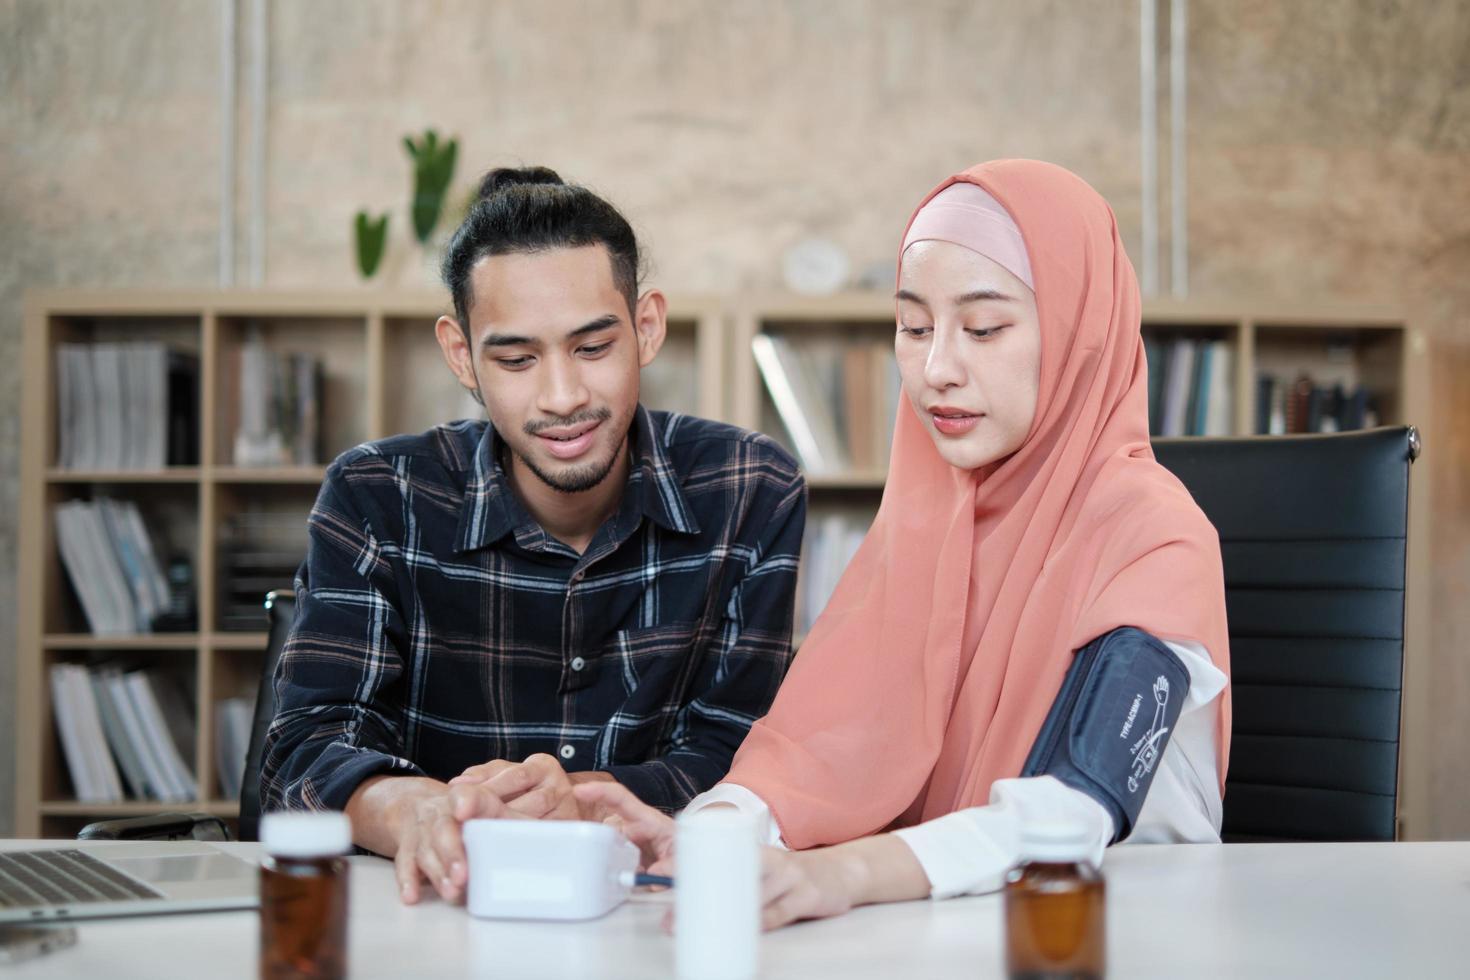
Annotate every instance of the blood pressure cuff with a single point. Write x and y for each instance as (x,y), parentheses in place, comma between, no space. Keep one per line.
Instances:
(1111,721)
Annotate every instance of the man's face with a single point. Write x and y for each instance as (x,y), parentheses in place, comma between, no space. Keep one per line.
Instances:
(555,356)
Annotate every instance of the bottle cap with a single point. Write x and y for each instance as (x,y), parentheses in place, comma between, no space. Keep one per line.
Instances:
(306,834)
(1056,840)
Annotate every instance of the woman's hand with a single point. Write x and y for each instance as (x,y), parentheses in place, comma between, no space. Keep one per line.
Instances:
(829,881)
(651,830)
(795,885)
(815,884)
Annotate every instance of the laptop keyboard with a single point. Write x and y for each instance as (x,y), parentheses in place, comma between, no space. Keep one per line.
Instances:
(63,877)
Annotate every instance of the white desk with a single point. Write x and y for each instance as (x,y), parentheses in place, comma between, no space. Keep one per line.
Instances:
(1261,910)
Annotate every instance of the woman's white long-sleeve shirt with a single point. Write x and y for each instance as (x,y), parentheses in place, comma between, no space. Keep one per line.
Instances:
(970,851)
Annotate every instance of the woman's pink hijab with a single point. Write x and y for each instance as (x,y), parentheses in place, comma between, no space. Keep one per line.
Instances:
(887,715)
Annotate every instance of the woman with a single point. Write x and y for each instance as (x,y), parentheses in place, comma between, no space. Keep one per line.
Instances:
(941,702)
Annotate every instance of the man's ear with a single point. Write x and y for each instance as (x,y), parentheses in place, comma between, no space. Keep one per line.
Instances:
(457,352)
(650,323)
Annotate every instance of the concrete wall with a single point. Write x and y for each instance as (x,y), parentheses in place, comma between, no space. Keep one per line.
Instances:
(1329,151)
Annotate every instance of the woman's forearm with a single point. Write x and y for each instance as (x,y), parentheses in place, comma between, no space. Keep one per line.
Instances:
(883,869)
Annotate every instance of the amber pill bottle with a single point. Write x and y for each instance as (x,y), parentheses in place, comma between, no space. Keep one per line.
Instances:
(1055,907)
(303,895)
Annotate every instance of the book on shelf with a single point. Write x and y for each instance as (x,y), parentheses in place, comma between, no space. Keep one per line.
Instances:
(1304,405)
(126,406)
(277,410)
(233,718)
(111,722)
(114,569)
(1153,349)
(837,398)
(830,546)
(123,732)
(1191,386)
(146,691)
(94,777)
(803,410)
(138,739)
(1219,396)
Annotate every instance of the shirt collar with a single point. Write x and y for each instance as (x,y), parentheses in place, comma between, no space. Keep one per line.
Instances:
(491,509)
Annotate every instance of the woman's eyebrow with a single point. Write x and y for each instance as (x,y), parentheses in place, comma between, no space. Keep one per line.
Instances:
(973,296)
(977,295)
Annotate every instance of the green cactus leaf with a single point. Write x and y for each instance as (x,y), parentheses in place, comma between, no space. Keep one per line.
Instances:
(433,171)
(372,241)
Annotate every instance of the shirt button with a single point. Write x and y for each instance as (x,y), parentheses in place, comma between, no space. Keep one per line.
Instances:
(567,751)
(578,663)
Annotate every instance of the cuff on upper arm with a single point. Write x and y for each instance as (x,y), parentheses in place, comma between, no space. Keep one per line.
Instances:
(1111,721)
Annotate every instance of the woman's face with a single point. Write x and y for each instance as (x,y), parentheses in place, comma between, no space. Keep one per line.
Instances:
(969,351)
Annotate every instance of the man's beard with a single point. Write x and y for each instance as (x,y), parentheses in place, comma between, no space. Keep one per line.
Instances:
(578,479)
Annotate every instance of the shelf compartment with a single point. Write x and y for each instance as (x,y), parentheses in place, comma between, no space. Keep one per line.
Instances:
(337,343)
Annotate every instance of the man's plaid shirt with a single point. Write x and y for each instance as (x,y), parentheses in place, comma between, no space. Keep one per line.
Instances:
(439,626)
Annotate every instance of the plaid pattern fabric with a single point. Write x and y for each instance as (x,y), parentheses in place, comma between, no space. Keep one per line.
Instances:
(438,626)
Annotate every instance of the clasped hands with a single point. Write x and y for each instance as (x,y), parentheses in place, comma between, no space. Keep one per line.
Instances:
(426,824)
(537,789)
(795,885)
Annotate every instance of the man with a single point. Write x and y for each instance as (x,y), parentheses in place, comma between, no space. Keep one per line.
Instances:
(579,590)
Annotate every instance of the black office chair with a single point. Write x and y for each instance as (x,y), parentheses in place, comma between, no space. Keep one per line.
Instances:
(1313,529)
(280,610)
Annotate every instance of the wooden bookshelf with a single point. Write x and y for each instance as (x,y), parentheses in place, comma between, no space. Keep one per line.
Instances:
(368,338)
(145,641)
(135,808)
(173,474)
(382,374)
(310,476)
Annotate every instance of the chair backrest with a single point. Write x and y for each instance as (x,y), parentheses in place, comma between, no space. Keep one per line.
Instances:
(1314,533)
(280,610)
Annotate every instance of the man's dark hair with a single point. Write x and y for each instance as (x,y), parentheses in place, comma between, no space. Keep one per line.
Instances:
(531,209)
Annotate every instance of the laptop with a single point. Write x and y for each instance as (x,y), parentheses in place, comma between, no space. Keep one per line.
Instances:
(91,881)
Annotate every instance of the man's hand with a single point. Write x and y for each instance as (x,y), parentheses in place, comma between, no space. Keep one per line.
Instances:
(538,789)
(418,823)
(651,830)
